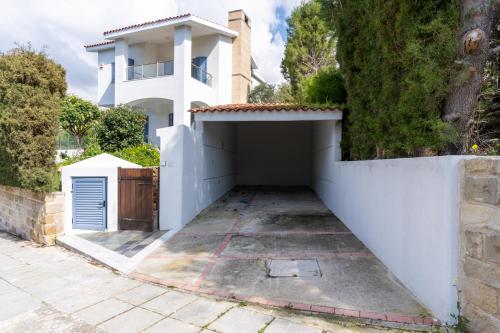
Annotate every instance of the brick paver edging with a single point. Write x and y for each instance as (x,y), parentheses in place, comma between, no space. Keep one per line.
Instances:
(389,317)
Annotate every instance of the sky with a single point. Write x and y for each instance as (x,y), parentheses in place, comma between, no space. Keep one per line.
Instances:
(64,26)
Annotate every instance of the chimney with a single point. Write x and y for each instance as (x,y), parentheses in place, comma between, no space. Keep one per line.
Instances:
(242,73)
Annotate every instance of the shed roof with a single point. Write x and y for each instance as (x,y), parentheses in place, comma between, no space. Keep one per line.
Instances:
(103,161)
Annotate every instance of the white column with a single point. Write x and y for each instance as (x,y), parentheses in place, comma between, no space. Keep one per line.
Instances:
(221,67)
(182,75)
(121,63)
(171,176)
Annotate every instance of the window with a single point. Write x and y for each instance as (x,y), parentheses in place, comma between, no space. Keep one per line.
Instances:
(131,74)
(170,119)
(112,72)
(146,130)
(199,69)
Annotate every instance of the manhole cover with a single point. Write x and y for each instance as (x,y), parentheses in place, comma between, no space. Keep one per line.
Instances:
(293,268)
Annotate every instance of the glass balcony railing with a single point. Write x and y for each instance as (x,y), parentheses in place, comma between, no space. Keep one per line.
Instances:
(147,71)
(201,75)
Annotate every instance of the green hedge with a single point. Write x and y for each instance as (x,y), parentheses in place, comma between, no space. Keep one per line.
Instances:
(397,58)
(144,154)
(31,89)
(121,127)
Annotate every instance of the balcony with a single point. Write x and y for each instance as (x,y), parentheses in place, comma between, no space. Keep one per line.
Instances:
(201,75)
(165,68)
(147,71)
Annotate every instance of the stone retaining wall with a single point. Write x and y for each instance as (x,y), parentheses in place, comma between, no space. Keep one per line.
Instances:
(479,276)
(30,215)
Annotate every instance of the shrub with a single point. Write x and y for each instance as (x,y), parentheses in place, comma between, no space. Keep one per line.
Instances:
(326,87)
(121,128)
(145,155)
(263,93)
(31,89)
(78,117)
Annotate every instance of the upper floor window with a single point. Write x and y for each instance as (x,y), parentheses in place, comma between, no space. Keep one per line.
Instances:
(199,70)
(170,119)
(112,72)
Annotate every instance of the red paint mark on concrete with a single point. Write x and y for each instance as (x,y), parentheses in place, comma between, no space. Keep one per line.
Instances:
(264,256)
(208,268)
(261,233)
(297,255)
(184,256)
(223,245)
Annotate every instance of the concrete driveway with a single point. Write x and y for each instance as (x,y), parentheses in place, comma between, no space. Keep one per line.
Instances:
(281,247)
(49,289)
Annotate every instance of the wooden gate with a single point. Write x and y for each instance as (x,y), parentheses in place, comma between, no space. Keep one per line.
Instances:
(138,199)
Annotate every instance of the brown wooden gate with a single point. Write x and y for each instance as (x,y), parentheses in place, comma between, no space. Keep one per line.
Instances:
(138,199)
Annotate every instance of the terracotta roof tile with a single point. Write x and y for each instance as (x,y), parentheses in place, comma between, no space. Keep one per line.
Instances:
(166,19)
(108,42)
(262,107)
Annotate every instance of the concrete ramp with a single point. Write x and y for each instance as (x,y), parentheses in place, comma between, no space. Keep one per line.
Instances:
(281,247)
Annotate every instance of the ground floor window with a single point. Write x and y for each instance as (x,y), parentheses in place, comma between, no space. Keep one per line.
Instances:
(146,129)
(66,141)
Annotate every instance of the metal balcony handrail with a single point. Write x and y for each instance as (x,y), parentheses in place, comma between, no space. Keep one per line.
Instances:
(207,80)
(136,72)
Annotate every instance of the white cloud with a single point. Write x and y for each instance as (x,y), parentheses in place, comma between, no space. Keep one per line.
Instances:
(64,26)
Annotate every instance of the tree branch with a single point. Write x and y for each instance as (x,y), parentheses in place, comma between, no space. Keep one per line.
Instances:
(494,51)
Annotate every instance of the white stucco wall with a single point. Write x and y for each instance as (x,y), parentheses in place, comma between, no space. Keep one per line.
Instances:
(405,211)
(158,118)
(159,87)
(166,51)
(105,166)
(105,87)
(274,153)
(197,166)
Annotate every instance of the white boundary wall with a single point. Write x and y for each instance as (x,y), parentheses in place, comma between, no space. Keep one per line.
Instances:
(406,211)
(197,166)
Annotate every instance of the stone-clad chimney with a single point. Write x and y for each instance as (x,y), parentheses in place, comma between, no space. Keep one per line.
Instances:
(242,73)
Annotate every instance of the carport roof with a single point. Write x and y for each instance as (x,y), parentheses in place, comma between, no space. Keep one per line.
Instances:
(266,112)
(263,107)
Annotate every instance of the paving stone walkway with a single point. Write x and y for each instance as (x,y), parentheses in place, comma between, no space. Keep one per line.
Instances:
(49,289)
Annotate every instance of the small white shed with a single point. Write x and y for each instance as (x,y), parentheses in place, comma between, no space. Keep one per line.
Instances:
(90,190)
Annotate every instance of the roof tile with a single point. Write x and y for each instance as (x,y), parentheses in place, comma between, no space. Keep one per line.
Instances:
(108,42)
(166,19)
(260,107)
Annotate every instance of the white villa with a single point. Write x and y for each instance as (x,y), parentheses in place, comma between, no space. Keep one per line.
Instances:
(192,77)
(171,65)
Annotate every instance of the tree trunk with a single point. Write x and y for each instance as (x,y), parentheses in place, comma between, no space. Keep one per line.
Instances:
(476,20)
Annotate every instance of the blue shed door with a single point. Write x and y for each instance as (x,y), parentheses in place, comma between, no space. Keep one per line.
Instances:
(89,203)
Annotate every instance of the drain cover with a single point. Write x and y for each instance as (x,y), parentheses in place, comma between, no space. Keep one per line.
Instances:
(293,268)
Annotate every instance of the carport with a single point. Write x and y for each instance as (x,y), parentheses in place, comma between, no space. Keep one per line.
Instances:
(243,144)
(256,229)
